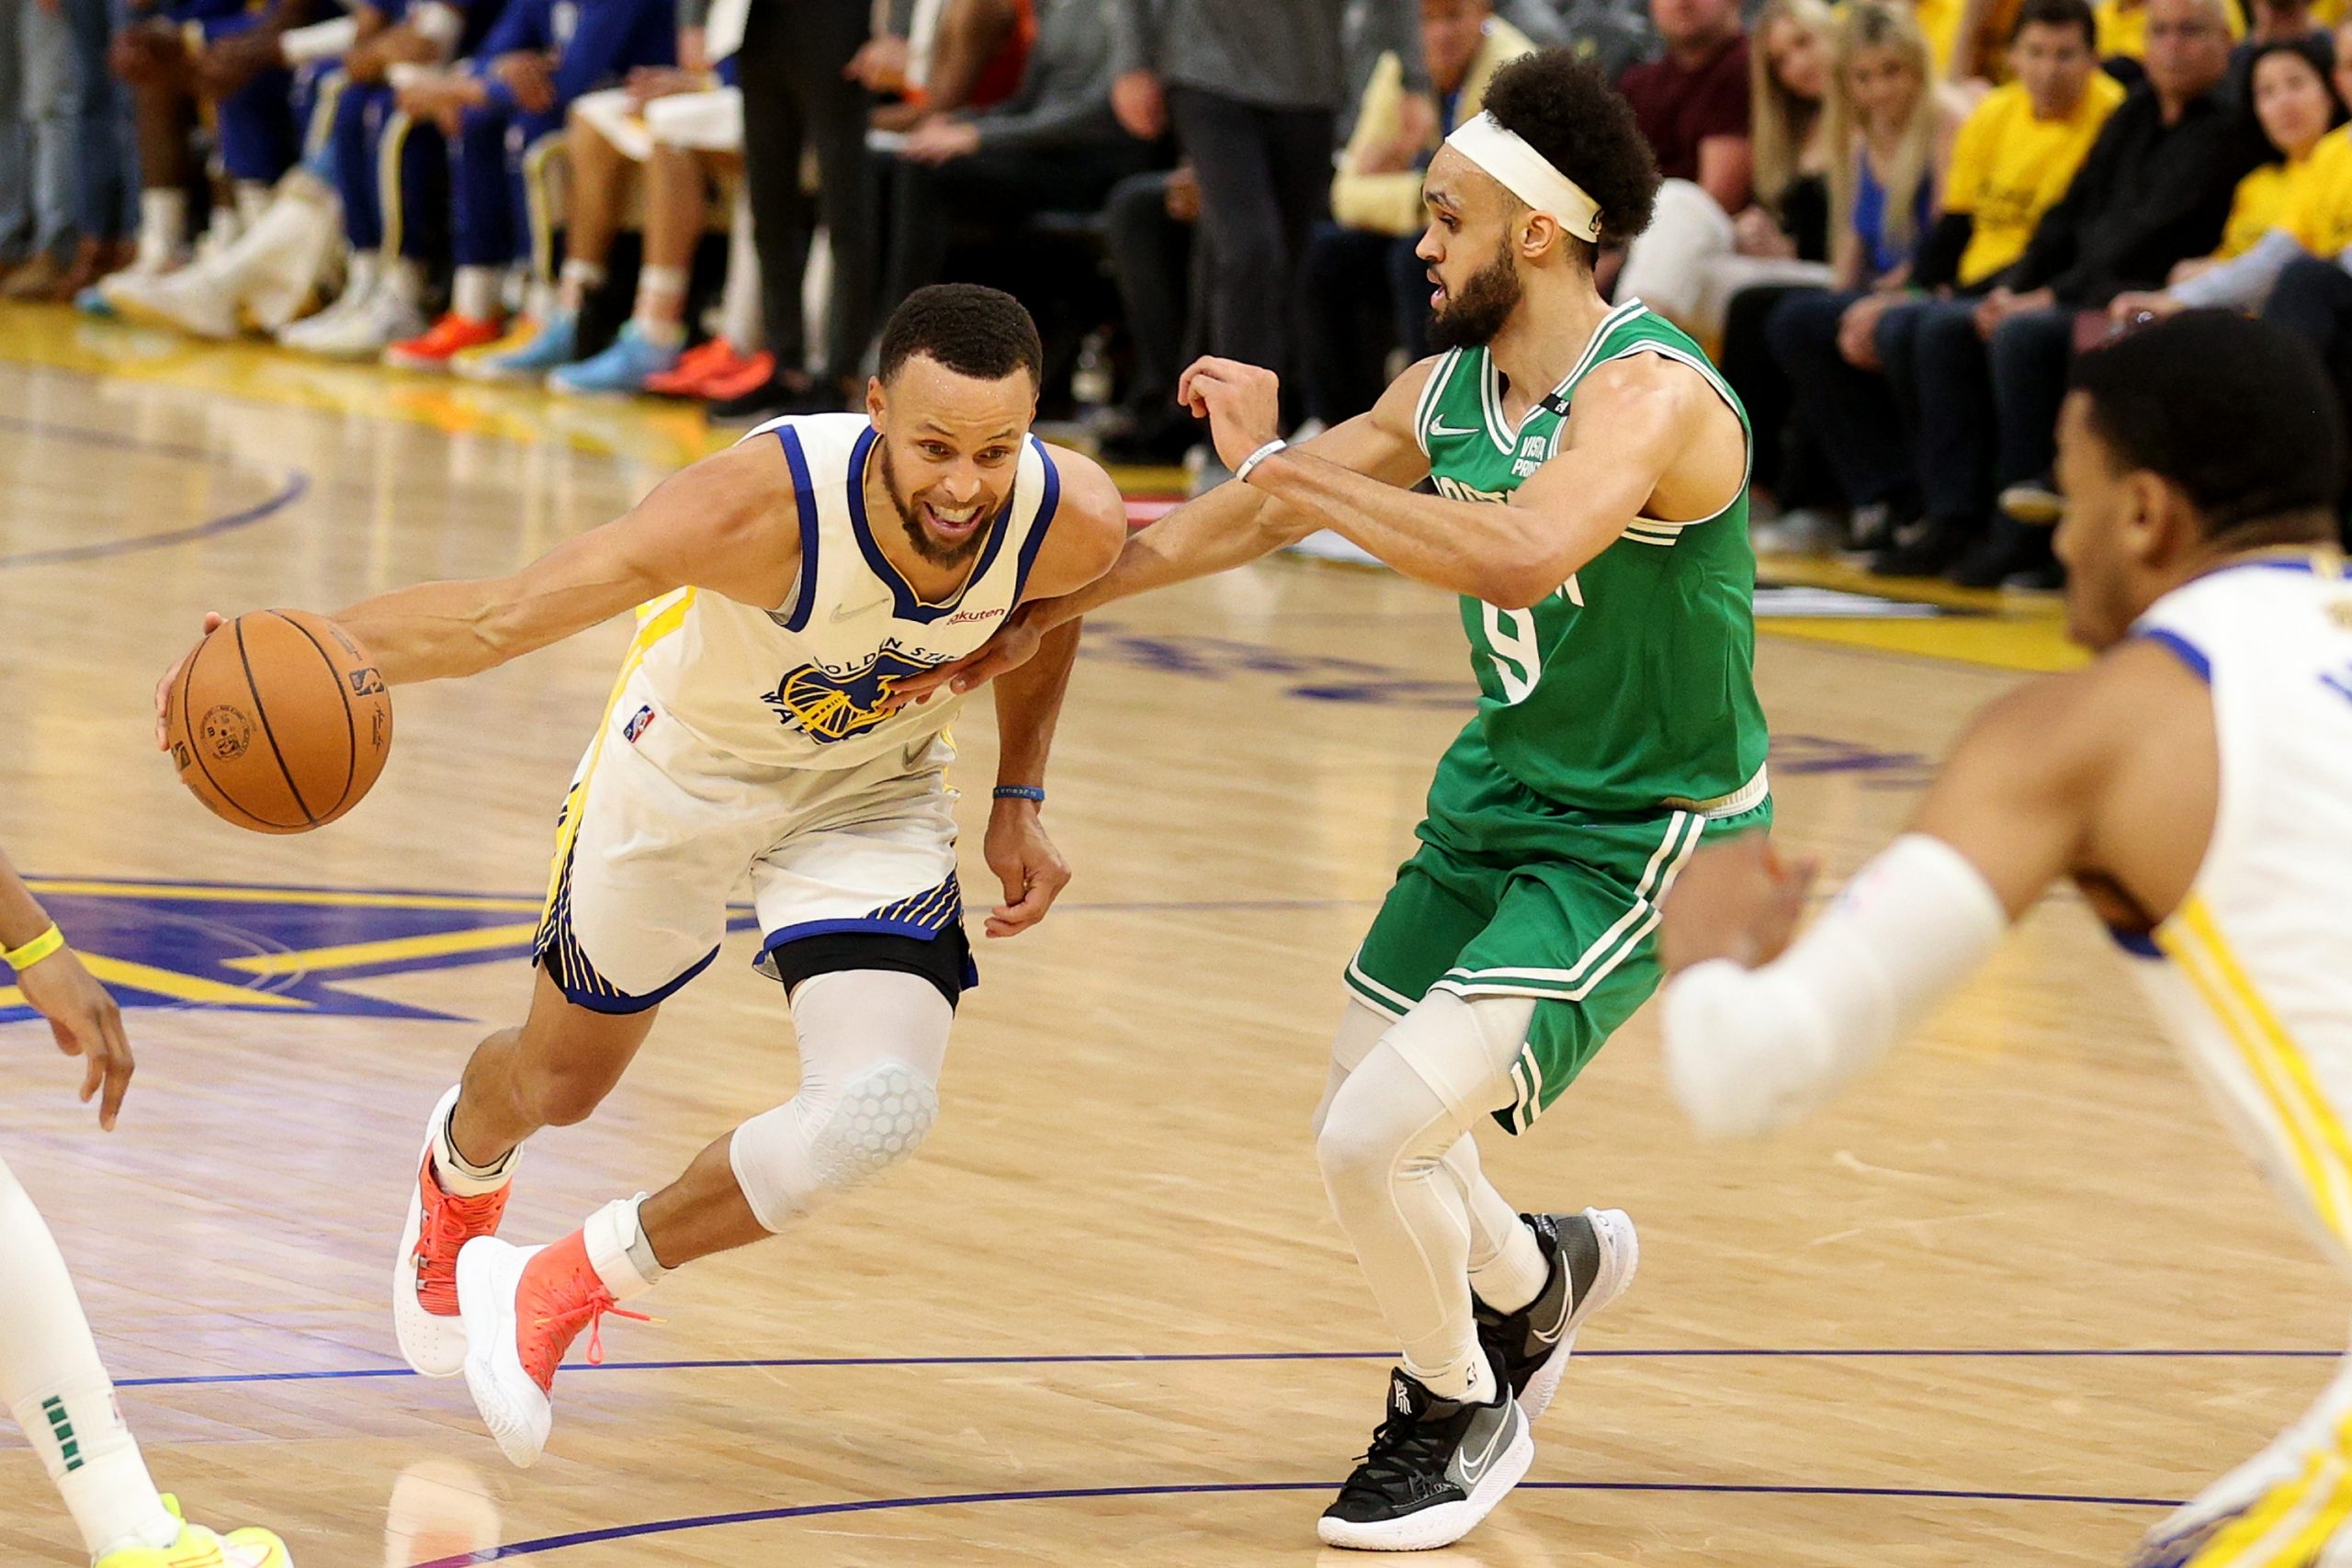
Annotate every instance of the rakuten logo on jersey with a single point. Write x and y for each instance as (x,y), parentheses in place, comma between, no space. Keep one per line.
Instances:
(969,618)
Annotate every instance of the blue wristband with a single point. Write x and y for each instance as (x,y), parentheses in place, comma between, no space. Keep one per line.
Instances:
(1021,791)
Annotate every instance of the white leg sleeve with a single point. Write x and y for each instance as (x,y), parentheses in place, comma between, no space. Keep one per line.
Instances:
(1383,1148)
(1507,1267)
(1665,266)
(872,1042)
(54,1386)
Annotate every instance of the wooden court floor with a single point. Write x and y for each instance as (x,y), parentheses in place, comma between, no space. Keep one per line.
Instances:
(2012,1297)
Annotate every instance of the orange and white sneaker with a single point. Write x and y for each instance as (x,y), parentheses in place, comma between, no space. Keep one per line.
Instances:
(444,339)
(524,1306)
(425,1274)
(199,1547)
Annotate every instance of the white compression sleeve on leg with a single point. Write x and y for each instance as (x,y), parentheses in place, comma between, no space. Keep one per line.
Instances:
(1751,1050)
(872,1042)
(53,1381)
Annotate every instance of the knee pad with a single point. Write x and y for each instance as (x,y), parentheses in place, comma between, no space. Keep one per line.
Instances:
(793,1156)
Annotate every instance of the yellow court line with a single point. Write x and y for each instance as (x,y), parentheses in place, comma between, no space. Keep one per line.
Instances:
(312,896)
(166,983)
(352,955)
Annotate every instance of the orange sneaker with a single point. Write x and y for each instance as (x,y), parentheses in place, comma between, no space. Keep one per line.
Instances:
(747,375)
(424,1273)
(694,366)
(451,335)
(524,1306)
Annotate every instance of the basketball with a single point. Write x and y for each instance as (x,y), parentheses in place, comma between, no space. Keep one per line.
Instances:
(278,721)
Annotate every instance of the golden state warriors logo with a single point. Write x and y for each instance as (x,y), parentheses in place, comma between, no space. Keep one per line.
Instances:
(827,708)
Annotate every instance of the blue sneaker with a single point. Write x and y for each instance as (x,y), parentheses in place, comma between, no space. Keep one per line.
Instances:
(528,351)
(619,370)
(91,302)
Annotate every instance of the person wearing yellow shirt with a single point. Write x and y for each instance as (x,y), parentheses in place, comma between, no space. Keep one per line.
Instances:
(2300,205)
(1364,290)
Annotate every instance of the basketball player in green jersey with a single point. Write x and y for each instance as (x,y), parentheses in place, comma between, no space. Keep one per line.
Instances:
(1591,510)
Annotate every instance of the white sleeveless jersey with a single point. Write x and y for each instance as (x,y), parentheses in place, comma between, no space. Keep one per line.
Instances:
(797,686)
(2258,986)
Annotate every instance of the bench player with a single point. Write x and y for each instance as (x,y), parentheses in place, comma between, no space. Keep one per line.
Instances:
(2191,781)
(1592,476)
(50,1378)
(783,588)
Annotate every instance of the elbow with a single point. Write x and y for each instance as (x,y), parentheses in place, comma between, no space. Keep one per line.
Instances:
(1517,585)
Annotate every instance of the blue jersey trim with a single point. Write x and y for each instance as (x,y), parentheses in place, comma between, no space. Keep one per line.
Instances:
(2187,652)
(803,493)
(620,1005)
(906,604)
(2140,945)
(1046,507)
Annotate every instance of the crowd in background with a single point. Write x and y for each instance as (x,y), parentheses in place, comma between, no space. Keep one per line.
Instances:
(1893,222)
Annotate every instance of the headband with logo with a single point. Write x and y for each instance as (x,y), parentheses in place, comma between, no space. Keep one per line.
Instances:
(1527,174)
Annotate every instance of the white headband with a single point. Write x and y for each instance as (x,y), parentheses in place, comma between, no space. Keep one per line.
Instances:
(1527,174)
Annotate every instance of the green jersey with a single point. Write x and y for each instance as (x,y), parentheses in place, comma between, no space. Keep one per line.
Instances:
(1631,688)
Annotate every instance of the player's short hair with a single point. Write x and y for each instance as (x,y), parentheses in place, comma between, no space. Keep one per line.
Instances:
(982,332)
(2057,13)
(2239,414)
(1562,105)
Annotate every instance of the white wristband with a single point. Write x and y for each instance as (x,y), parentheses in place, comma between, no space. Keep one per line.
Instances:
(1241,474)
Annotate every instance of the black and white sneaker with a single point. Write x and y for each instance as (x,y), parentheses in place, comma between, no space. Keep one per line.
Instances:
(1593,1255)
(1436,1467)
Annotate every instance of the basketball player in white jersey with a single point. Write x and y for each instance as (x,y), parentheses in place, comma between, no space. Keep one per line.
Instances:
(50,1378)
(781,587)
(2194,781)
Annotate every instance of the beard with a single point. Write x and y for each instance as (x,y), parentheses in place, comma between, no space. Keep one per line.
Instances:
(1471,317)
(911,518)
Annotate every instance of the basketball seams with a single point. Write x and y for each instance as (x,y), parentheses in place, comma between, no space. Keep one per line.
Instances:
(262,713)
(350,720)
(195,750)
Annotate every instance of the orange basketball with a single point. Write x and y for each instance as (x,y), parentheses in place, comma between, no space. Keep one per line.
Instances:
(278,721)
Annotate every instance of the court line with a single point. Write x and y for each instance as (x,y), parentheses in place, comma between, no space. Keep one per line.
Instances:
(297,484)
(1073,1494)
(1180,1357)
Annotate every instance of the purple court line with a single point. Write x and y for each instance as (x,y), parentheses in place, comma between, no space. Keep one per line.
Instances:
(1179,1357)
(297,483)
(961,1499)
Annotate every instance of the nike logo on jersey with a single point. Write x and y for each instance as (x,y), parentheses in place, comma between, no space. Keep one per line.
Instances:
(851,612)
(1438,427)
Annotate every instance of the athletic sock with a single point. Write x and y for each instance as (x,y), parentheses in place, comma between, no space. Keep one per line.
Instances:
(1469,1380)
(580,280)
(403,279)
(474,293)
(661,304)
(162,226)
(252,200)
(459,1176)
(1516,1275)
(739,309)
(618,1251)
(53,1381)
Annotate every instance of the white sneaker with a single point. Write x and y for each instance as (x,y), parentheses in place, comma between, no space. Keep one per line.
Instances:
(424,1273)
(1534,1343)
(1801,532)
(383,319)
(524,1306)
(191,300)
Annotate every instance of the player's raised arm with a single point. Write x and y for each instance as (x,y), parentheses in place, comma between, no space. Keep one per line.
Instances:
(1760,1029)
(1085,539)
(1639,426)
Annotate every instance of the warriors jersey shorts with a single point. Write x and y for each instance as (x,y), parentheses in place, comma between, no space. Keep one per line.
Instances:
(1513,894)
(659,828)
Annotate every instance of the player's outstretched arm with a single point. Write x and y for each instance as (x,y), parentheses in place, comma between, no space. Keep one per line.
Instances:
(80,1015)
(1230,525)
(1632,421)
(1760,1029)
(1084,542)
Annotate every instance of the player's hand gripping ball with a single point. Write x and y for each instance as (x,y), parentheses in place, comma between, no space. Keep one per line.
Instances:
(278,721)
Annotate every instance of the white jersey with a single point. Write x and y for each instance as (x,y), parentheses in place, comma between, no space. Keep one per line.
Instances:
(2258,986)
(797,685)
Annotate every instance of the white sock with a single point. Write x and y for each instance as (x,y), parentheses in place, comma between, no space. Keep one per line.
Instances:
(53,1381)
(252,200)
(162,226)
(738,307)
(661,305)
(403,279)
(1470,1378)
(474,293)
(459,1176)
(618,1251)
(580,278)
(361,274)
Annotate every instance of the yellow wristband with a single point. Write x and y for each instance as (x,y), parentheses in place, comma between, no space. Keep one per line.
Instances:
(33,951)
